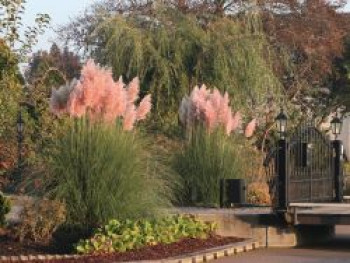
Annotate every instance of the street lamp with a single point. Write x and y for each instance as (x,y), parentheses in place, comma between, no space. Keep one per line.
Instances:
(281,121)
(20,124)
(281,159)
(336,126)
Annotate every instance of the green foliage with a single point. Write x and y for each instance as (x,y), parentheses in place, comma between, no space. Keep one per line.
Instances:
(54,68)
(10,90)
(5,208)
(172,52)
(11,25)
(103,172)
(40,219)
(120,236)
(204,160)
(42,129)
(10,94)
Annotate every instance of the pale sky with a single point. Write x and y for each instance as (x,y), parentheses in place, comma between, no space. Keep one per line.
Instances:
(60,11)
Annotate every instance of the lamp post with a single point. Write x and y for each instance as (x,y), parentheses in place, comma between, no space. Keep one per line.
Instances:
(20,137)
(281,161)
(281,121)
(336,126)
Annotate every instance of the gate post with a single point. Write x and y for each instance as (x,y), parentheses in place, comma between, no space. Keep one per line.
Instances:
(338,173)
(282,174)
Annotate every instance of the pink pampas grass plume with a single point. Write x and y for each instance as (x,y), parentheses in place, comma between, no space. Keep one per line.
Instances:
(99,97)
(203,91)
(212,109)
(129,118)
(228,122)
(144,108)
(75,105)
(210,116)
(216,99)
(249,131)
(94,79)
(236,121)
(133,90)
(115,102)
(209,107)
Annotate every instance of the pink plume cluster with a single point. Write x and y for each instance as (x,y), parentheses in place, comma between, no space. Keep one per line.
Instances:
(98,96)
(213,109)
(249,130)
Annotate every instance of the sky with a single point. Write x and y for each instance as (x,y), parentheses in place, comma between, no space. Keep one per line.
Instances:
(60,11)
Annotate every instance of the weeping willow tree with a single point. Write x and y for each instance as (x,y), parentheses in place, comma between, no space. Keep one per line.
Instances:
(171,52)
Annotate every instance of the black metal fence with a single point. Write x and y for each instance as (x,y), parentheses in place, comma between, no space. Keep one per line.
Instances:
(310,166)
(306,168)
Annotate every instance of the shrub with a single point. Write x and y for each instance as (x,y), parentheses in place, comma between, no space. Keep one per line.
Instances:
(214,149)
(40,219)
(5,208)
(258,193)
(101,171)
(203,161)
(120,236)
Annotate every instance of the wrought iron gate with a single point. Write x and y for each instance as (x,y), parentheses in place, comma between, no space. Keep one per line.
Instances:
(306,168)
(310,166)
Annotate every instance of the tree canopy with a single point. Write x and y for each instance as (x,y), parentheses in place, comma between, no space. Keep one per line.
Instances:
(304,38)
(172,52)
(54,68)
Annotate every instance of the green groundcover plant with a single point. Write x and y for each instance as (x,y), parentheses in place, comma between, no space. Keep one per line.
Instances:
(4,208)
(120,236)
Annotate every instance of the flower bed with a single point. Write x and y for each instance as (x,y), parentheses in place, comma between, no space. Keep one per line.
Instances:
(127,240)
(156,252)
(121,236)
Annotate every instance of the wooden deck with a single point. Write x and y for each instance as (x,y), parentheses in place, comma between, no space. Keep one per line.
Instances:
(319,213)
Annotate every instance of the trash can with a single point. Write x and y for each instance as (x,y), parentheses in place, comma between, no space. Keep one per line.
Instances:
(232,192)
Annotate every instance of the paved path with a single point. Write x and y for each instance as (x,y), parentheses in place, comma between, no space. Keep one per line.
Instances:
(336,251)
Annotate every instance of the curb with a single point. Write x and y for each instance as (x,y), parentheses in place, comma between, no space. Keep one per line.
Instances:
(196,257)
(214,253)
(37,257)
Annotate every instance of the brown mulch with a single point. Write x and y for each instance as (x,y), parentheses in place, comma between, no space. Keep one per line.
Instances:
(159,251)
(11,247)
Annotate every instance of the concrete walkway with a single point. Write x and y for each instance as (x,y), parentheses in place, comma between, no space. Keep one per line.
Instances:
(336,251)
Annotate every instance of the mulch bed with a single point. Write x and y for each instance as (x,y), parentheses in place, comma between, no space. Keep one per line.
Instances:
(10,247)
(161,251)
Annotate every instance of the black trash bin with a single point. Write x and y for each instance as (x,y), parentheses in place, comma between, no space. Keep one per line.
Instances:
(232,192)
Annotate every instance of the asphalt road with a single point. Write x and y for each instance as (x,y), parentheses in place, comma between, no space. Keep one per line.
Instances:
(336,251)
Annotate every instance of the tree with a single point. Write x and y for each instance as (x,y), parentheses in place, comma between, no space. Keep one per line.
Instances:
(172,52)
(53,68)
(78,31)
(13,49)
(339,82)
(312,33)
(10,94)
